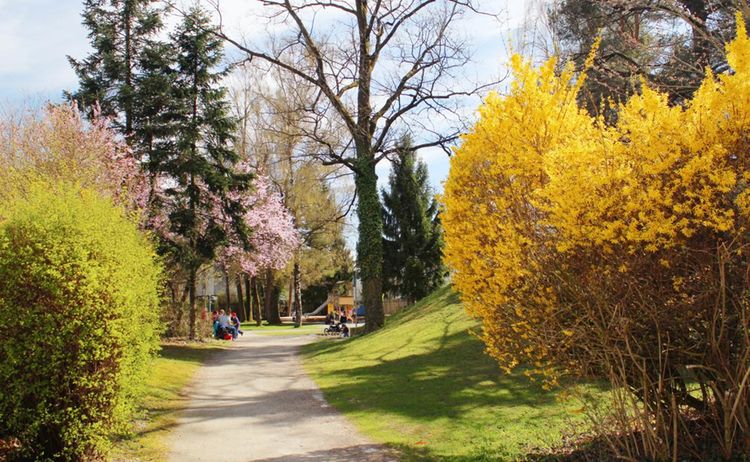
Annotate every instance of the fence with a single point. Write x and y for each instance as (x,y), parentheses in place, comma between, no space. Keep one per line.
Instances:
(393,305)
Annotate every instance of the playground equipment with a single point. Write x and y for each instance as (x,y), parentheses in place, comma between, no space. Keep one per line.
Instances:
(341,296)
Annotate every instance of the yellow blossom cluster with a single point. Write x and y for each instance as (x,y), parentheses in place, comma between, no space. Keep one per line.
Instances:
(556,221)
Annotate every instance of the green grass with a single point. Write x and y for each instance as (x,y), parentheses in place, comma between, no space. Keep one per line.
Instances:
(164,398)
(283,329)
(423,385)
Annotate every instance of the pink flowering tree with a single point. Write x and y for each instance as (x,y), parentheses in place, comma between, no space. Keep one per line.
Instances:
(271,245)
(59,145)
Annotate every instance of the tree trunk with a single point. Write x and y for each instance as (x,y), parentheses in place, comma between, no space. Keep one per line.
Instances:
(248,300)
(227,292)
(191,289)
(271,304)
(128,103)
(290,298)
(256,305)
(297,293)
(370,243)
(240,298)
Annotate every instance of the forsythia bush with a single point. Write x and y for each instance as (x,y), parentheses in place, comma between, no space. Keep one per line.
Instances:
(619,250)
(79,289)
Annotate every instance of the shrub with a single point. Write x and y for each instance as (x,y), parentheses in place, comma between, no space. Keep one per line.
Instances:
(78,320)
(617,250)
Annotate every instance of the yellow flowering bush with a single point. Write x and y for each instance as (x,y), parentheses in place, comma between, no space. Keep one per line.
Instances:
(614,249)
(79,321)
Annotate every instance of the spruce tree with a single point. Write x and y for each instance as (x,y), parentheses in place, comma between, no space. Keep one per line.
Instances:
(412,238)
(120,32)
(193,151)
(154,106)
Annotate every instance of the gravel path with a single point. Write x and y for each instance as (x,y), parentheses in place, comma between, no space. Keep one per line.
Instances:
(255,403)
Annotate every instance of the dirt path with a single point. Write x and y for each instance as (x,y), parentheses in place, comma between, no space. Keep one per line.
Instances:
(255,403)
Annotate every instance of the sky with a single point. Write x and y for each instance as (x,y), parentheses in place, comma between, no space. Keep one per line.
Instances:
(36,36)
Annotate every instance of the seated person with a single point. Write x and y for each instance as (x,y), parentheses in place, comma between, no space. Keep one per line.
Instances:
(236,322)
(226,324)
(215,322)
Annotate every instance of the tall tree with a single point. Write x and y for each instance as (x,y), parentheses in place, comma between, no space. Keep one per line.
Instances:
(270,130)
(120,32)
(388,66)
(203,187)
(270,247)
(412,236)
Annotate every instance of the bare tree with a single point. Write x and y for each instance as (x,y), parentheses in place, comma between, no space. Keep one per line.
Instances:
(380,68)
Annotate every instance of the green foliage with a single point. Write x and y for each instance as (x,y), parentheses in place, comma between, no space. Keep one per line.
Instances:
(78,320)
(412,242)
(121,33)
(194,147)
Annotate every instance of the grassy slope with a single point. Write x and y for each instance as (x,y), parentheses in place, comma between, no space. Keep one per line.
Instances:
(163,400)
(423,384)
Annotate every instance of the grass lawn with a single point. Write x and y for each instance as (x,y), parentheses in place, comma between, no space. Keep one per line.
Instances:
(423,385)
(283,329)
(160,406)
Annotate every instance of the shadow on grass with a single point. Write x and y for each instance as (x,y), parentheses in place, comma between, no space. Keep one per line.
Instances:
(427,367)
(454,377)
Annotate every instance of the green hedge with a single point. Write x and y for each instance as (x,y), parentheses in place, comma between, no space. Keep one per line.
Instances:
(79,294)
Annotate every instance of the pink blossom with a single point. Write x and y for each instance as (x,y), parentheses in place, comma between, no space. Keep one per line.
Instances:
(273,238)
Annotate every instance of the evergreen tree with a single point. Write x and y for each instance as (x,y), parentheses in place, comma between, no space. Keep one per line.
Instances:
(412,238)
(121,33)
(193,140)
(155,106)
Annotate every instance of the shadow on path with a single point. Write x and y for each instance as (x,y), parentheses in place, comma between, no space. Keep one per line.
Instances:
(254,402)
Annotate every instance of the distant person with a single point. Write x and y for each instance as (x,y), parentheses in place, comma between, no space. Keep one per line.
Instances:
(215,322)
(345,331)
(236,322)
(354,317)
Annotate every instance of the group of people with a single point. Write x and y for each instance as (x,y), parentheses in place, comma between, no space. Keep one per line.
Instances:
(337,319)
(226,324)
(340,316)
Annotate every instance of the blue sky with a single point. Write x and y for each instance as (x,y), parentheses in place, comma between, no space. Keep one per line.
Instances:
(37,35)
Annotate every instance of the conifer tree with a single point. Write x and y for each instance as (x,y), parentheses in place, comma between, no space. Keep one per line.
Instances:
(203,197)
(412,241)
(121,32)
(155,105)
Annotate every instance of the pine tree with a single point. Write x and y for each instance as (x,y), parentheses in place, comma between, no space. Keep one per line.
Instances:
(412,239)
(121,32)
(194,146)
